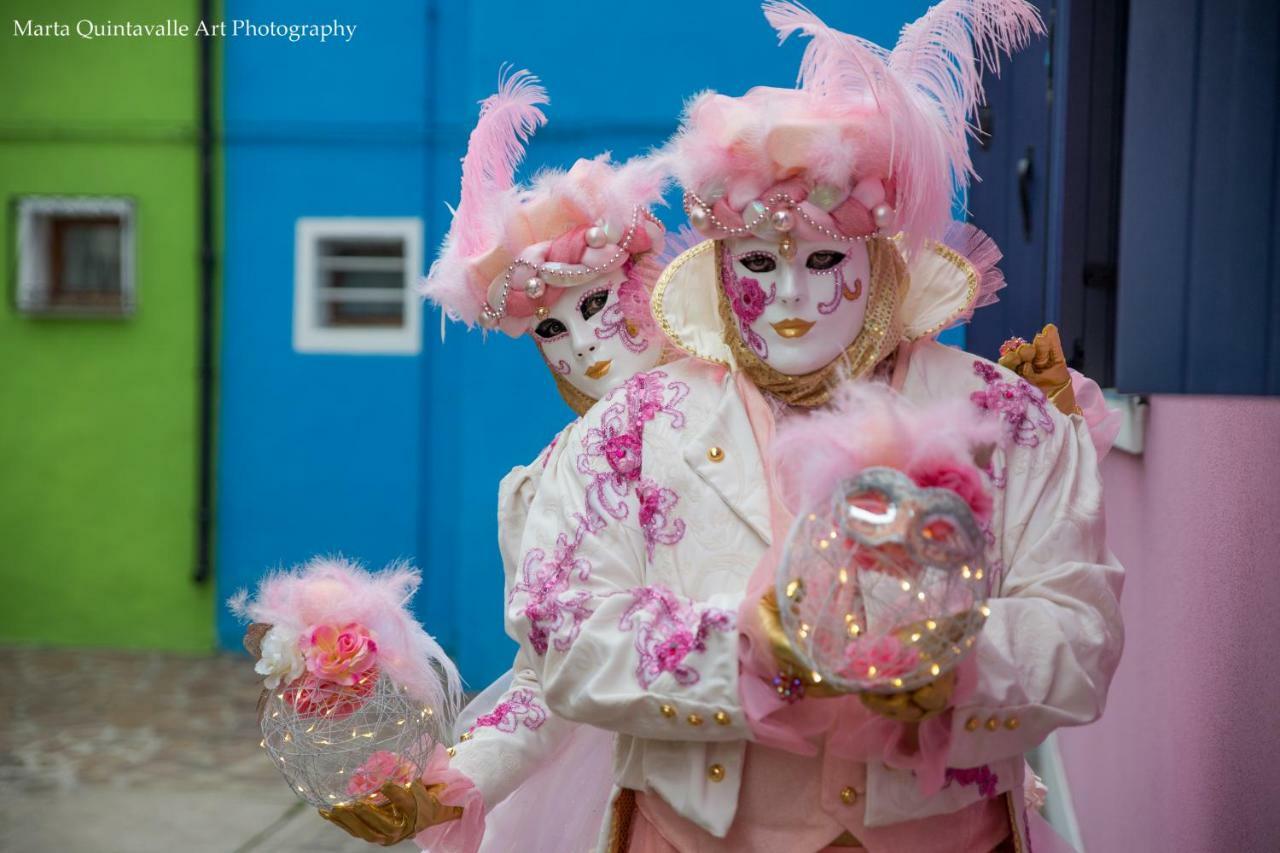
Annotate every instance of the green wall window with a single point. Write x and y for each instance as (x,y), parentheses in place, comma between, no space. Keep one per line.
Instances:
(75,256)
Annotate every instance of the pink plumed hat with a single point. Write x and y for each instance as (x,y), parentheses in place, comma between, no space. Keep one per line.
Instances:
(512,250)
(871,140)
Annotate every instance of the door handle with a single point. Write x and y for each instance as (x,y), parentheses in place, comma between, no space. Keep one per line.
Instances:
(1025,174)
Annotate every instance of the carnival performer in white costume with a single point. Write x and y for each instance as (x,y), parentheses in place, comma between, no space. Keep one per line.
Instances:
(569,260)
(641,589)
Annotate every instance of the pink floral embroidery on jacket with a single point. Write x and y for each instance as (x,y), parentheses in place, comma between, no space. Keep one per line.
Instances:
(549,605)
(551,608)
(1019,404)
(519,708)
(980,776)
(656,521)
(675,629)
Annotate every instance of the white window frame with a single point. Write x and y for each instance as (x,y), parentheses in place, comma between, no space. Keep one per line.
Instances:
(309,335)
(34,276)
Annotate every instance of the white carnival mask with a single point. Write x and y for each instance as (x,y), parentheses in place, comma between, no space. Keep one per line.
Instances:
(588,341)
(797,313)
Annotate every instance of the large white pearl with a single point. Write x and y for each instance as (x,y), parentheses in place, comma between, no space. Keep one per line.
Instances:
(596,237)
(883,213)
(782,220)
(699,217)
(535,287)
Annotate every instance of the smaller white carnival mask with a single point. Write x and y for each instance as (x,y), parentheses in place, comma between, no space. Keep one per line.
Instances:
(797,313)
(587,339)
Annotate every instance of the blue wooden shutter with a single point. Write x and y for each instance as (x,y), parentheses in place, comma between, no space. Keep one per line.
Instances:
(1199,297)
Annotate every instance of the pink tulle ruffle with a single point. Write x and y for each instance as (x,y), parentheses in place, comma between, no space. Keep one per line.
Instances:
(456,836)
(1103,422)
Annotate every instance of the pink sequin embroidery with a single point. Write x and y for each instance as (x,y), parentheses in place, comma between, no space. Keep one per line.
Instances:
(550,606)
(519,708)
(673,630)
(980,776)
(611,464)
(656,522)
(1019,404)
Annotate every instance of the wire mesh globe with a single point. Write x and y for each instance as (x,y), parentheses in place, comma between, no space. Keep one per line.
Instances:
(883,587)
(336,744)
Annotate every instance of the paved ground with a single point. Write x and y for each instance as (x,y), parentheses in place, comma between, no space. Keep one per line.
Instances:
(133,752)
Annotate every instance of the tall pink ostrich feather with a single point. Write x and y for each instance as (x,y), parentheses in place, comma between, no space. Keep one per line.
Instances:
(333,591)
(925,89)
(495,149)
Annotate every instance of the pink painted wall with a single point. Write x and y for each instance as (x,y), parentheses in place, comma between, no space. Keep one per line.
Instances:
(1187,755)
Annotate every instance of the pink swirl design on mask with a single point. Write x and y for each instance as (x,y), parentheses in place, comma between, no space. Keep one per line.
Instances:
(613,323)
(562,367)
(673,630)
(748,301)
(555,612)
(830,306)
(519,708)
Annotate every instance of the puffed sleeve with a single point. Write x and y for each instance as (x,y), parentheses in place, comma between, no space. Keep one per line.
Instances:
(608,647)
(1051,644)
(509,741)
(512,736)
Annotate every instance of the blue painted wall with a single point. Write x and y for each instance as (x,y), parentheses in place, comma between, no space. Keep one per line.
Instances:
(390,456)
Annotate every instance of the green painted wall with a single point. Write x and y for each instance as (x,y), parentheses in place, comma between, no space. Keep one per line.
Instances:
(98,417)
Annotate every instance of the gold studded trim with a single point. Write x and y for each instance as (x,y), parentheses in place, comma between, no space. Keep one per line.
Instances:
(656,301)
(971,286)
(1016,833)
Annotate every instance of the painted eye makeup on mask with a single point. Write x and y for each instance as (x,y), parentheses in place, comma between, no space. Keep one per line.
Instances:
(593,303)
(758,262)
(550,329)
(824,260)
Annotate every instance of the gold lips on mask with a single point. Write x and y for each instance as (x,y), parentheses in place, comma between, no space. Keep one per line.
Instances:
(792,327)
(600,368)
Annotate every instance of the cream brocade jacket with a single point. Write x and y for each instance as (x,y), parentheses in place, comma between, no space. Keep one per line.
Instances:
(636,543)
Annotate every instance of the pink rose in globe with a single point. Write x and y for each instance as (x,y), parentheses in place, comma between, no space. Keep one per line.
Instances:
(339,655)
(963,479)
(378,769)
(885,657)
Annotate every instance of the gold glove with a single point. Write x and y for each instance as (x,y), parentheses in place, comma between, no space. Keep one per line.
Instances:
(407,810)
(789,665)
(1043,364)
(913,706)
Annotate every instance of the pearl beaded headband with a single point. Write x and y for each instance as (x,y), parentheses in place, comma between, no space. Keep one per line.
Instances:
(535,286)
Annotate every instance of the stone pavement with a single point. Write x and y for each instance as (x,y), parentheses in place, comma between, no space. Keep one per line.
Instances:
(135,752)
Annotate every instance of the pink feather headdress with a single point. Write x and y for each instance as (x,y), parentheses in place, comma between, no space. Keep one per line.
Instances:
(333,594)
(513,249)
(870,140)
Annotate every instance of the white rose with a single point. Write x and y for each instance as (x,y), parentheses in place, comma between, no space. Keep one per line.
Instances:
(281,659)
